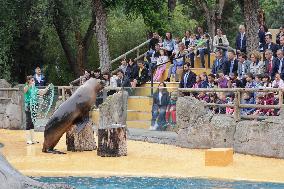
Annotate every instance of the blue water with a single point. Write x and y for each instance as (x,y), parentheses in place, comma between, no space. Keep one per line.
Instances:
(155,183)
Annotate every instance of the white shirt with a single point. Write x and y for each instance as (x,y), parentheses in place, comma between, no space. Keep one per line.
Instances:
(278,84)
(160,97)
(162,59)
(38,78)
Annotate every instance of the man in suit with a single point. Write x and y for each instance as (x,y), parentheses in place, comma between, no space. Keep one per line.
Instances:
(218,62)
(39,78)
(122,81)
(271,64)
(188,78)
(241,40)
(244,65)
(230,65)
(269,44)
(280,62)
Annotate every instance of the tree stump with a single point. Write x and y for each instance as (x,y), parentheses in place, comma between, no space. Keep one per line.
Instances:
(82,141)
(112,141)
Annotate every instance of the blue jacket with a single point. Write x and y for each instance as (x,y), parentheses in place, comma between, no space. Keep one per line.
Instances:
(216,68)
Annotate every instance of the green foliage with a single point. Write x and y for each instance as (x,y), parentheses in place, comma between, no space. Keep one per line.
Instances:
(273,9)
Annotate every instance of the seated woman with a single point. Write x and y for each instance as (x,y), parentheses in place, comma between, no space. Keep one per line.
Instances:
(178,62)
(220,41)
(161,100)
(161,65)
(131,70)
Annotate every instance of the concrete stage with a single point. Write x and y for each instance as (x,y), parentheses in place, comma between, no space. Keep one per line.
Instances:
(144,159)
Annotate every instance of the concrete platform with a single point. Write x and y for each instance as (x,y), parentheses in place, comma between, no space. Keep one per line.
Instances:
(144,159)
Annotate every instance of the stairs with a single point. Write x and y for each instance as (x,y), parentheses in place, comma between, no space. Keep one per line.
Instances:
(138,112)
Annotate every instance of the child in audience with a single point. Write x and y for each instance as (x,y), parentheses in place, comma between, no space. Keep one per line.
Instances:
(161,65)
(247,99)
(266,81)
(222,80)
(198,82)
(230,100)
(171,109)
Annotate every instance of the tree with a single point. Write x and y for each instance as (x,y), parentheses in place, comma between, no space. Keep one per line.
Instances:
(213,13)
(251,13)
(101,34)
(67,24)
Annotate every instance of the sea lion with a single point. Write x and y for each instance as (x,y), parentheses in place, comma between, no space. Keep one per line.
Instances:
(73,110)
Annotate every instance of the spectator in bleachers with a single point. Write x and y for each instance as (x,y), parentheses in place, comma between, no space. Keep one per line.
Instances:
(281,46)
(39,78)
(106,77)
(280,62)
(278,82)
(234,82)
(247,99)
(186,39)
(131,70)
(279,35)
(258,80)
(266,81)
(204,81)
(188,78)
(222,80)
(113,78)
(211,81)
(153,41)
(197,83)
(143,75)
(122,81)
(220,41)
(171,109)
(178,62)
(271,64)
(161,65)
(161,100)
(269,44)
(123,65)
(257,66)
(96,74)
(177,42)
(203,47)
(241,40)
(169,44)
(250,81)
(261,36)
(244,65)
(218,62)
(200,32)
(191,49)
(152,61)
(230,65)
(161,43)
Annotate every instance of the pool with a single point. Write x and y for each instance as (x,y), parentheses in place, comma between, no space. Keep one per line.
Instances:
(155,183)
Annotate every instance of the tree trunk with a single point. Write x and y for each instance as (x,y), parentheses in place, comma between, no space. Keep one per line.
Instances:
(112,141)
(171,7)
(250,12)
(83,141)
(101,34)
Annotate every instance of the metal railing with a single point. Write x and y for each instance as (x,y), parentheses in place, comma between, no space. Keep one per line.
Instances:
(137,49)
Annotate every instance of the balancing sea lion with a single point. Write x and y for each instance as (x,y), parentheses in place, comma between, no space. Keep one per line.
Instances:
(73,110)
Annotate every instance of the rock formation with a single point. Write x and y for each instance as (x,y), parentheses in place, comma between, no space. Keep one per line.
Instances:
(11,107)
(11,178)
(113,110)
(199,128)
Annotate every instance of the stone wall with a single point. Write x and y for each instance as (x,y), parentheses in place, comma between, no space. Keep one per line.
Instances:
(11,107)
(113,110)
(199,128)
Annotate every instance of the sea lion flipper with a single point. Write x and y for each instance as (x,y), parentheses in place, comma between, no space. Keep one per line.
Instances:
(81,124)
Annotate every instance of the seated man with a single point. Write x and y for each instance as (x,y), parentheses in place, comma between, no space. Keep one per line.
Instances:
(188,78)
(121,80)
(218,62)
(143,75)
(269,44)
(178,62)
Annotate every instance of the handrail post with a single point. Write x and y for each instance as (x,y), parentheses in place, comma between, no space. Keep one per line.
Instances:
(280,98)
(237,106)
(63,94)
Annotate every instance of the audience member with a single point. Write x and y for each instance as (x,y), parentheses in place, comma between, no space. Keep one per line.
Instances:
(131,70)
(281,46)
(186,40)
(39,78)
(244,65)
(161,65)
(123,65)
(222,80)
(280,62)
(122,81)
(160,102)
(200,32)
(271,64)
(169,44)
(142,77)
(257,66)
(278,82)
(218,62)
(230,65)
(203,47)
(220,41)
(269,44)
(188,78)
(279,35)
(241,40)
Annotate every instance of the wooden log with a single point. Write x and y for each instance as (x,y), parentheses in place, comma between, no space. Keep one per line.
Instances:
(82,141)
(112,141)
